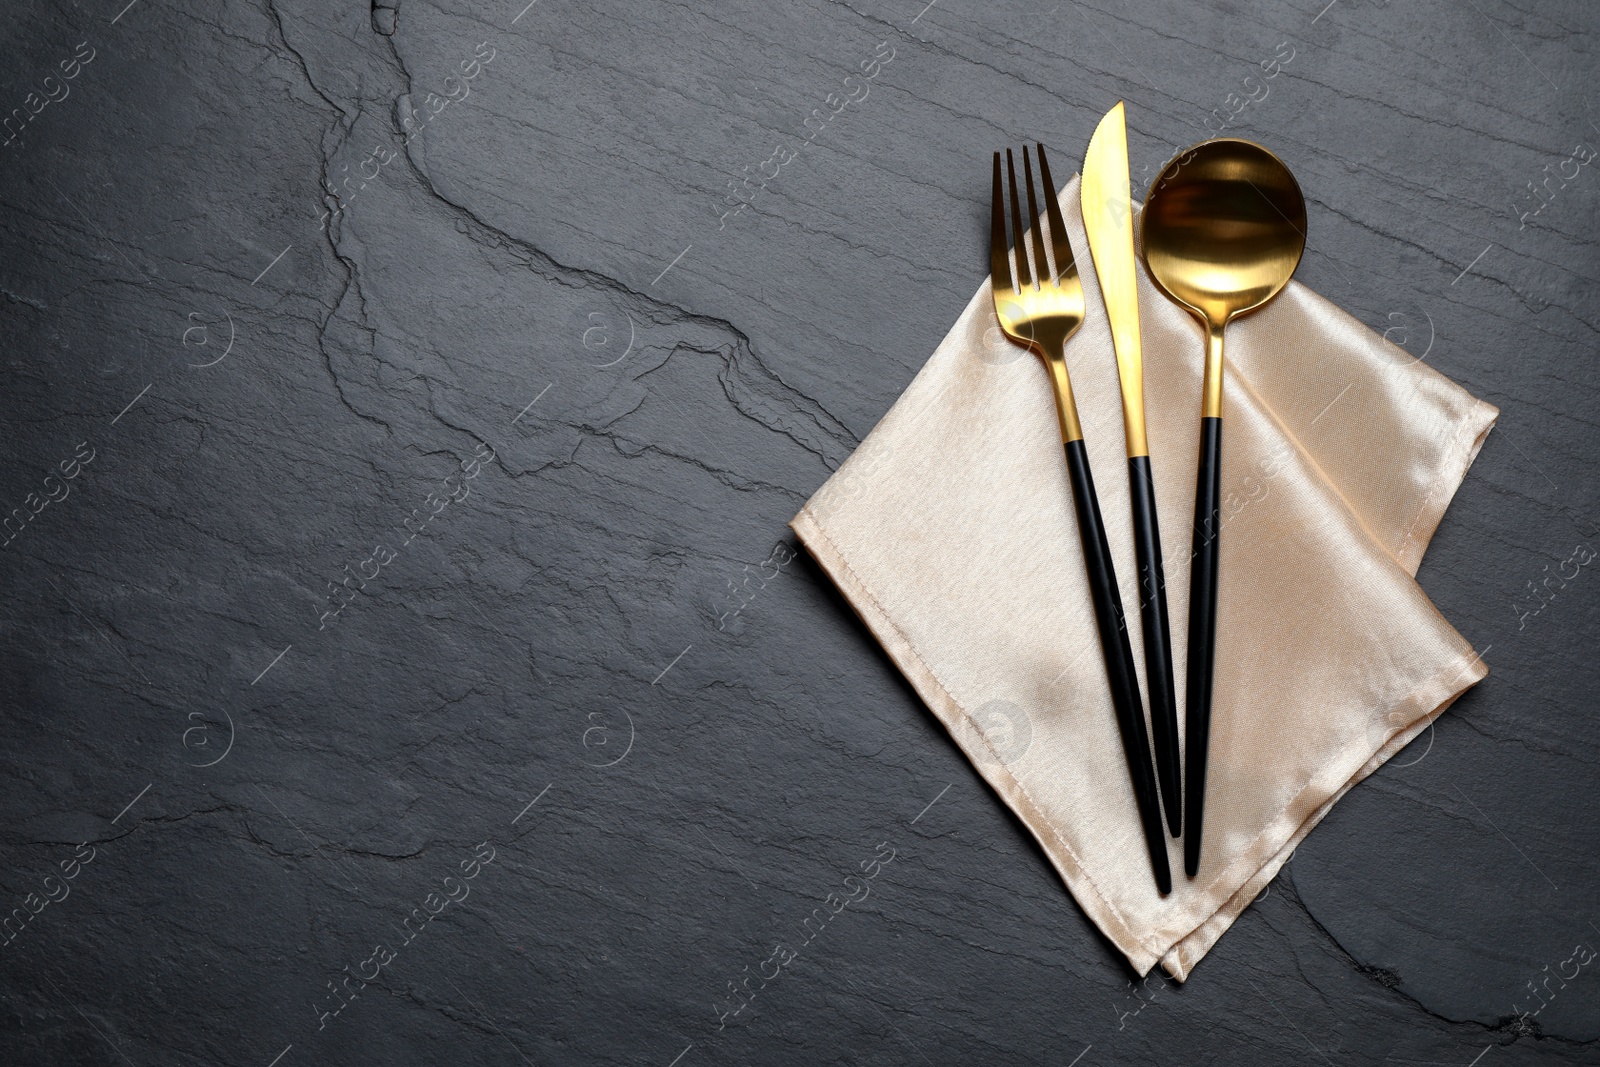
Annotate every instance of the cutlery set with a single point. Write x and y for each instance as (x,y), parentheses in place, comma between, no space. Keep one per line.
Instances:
(1223,228)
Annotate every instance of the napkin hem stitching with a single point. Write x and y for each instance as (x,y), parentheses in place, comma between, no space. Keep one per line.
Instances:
(1458,460)
(814,524)
(1417,697)
(1186,953)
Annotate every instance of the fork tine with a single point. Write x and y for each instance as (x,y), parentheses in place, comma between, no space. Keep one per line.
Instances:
(1024,278)
(999,262)
(1039,259)
(1065,264)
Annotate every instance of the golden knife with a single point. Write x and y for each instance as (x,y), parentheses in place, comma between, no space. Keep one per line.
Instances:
(1108,218)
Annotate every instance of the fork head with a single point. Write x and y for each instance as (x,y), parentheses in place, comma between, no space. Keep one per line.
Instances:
(1040,305)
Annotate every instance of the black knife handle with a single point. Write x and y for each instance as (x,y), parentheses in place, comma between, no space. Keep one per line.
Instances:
(1202,633)
(1157,641)
(1119,658)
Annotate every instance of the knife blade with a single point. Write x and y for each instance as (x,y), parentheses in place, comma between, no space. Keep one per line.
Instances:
(1108,219)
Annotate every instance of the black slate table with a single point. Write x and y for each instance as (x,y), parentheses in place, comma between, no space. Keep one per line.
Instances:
(406,659)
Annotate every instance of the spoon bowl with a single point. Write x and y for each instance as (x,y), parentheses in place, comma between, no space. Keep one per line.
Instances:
(1224,228)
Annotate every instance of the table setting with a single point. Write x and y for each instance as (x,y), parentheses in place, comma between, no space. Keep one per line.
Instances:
(1309,654)
(825,533)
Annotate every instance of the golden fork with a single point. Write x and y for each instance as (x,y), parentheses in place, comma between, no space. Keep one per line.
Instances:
(1040,315)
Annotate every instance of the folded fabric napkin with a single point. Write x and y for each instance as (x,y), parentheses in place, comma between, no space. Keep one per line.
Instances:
(951,531)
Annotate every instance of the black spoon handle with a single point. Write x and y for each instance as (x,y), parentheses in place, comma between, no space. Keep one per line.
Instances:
(1157,641)
(1202,633)
(1119,658)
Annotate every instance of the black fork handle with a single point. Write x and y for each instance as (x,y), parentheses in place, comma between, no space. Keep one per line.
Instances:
(1118,653)
(1202,633)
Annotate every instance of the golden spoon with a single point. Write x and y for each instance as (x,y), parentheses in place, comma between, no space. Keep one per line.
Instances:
(1223,227)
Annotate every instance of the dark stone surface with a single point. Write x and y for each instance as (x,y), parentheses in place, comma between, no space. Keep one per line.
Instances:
(564,632)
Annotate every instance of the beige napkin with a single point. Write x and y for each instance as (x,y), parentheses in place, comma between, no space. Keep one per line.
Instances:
(951,532)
